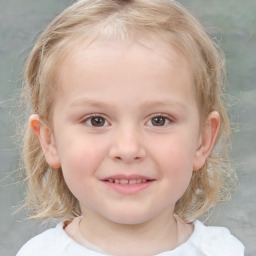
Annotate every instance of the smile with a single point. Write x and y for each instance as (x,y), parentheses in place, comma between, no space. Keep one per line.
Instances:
(127,181)
(128,184)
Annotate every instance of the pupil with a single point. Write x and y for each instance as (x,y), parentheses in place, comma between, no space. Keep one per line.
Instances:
(98,121)
(158,121)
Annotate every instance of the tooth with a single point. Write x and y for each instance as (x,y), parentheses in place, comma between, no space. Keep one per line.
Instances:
(132,181)
(124,181)
(117,181)
(111,180)
(144,180)
(138,180)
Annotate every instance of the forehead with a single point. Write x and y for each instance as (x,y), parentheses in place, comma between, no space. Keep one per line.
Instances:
(140,72)
(88,53)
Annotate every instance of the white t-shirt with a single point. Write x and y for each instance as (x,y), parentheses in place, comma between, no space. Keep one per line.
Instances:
(204,241)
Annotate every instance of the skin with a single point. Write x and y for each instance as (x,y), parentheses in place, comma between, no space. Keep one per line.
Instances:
(127,110)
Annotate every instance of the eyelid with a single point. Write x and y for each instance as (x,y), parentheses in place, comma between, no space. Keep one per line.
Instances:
(89,116)
(168,118)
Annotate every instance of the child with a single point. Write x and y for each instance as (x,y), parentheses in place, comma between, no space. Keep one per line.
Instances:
(127,107)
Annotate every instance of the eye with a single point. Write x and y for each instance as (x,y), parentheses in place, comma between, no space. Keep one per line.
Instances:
(159,121)
(96,121)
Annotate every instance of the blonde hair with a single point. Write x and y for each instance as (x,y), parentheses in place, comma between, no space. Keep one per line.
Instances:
(48,195)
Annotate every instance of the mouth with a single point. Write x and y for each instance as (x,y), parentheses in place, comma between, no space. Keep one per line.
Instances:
(128,184)
(128,181)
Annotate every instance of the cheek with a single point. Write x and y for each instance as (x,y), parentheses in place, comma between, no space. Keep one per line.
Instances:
(81,151)
(178,169)
(80,160)
(175,162)
(175,153)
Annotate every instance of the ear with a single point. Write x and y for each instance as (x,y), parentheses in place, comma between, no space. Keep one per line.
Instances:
(207,140)
(47,140)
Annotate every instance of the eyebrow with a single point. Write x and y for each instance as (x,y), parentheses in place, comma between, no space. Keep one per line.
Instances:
(164,103)
(94,103)
(145,105)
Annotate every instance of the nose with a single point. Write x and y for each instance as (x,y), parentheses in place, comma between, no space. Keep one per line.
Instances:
(127,146)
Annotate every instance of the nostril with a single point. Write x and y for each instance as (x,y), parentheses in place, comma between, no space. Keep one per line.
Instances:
(128,158)
(127,152)
(118,158)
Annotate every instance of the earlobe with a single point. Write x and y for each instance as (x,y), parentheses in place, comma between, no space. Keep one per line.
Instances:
(47,141)
(208,139)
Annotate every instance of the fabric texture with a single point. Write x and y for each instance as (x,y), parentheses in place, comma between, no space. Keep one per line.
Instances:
(204,241)
(73,231)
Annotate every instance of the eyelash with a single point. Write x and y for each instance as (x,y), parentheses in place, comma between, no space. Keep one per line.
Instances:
(167,120)
(88,120)
(90,117)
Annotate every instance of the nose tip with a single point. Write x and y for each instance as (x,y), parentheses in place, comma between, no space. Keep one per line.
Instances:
(128,149)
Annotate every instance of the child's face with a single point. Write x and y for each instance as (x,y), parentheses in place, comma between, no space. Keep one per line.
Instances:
(126,114)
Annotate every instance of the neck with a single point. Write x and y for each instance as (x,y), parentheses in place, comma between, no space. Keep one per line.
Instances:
(152,237)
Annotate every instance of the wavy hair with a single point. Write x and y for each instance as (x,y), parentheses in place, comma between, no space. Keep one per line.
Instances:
(47,193)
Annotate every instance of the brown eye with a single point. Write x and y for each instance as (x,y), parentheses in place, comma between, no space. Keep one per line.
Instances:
(158,121)
(97,121)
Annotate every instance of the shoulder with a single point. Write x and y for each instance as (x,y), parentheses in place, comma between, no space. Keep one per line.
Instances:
(54,242)
(217,240)
(43,242)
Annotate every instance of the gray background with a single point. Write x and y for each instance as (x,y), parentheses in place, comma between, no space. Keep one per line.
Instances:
(231,22)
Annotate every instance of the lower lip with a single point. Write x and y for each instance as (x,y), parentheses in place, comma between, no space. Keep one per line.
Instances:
(129,188)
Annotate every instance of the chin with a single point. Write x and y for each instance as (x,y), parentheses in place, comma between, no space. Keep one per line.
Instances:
(130,218)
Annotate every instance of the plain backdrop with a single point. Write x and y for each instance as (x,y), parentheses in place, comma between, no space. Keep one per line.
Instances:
(232,24)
